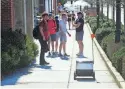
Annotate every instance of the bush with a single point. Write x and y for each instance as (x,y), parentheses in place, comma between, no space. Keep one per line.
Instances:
(105,35)
(103,32)
(118,60)
(16,47)
(118,54)
(29,54)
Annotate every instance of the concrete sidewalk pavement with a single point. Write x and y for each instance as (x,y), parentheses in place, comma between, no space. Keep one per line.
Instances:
(60,73)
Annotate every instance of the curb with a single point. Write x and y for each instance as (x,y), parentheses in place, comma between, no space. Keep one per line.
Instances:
(118,78)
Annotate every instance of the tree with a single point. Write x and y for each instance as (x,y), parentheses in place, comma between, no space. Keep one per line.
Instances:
(63,2)
(102,9)
(124,16)
(107,9)
(118,21)
(98,11)
(113,10)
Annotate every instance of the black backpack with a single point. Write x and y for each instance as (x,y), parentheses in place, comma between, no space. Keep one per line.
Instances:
(36,32)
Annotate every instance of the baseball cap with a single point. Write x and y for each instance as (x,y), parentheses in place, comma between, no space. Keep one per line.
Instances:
(56,16)
(44,13)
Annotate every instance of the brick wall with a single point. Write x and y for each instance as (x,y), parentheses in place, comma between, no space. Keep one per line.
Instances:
(6,14)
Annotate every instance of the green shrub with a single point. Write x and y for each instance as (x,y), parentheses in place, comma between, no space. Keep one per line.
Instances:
(92,22)
(29,54)
(105,35)
(117,59)
(16,47)
(103,32)
(118,54)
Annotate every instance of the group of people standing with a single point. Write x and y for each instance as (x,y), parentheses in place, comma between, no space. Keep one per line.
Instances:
(51,29)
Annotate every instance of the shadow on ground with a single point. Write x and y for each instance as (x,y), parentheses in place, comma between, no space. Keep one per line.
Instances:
(13,78)
(86,80)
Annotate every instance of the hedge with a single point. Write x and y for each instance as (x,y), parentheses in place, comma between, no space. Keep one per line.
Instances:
(17,50)
(105,35)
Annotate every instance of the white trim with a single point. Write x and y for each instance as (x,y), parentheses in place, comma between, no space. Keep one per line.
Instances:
(46,6)
(33,12)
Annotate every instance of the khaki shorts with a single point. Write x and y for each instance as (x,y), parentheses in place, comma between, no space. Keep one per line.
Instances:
(63,38)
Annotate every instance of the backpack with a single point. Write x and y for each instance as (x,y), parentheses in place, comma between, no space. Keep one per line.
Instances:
(57,25)
(36,32)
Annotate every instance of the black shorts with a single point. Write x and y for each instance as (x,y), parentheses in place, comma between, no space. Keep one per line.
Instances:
(73,19)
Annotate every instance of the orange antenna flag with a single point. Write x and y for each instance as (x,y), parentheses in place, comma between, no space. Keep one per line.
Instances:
(92,36)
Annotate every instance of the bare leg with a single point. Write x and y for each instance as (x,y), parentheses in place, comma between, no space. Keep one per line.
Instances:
(52,43)
(56,46)
(64,47)
(80,47)
(49,45)
(60,48)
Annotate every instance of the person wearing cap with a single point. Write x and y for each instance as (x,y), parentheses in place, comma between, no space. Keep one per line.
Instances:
(57,34)
(69,20)
(79,33)
(52,32)
(73,17)
(63,37)
(43,37)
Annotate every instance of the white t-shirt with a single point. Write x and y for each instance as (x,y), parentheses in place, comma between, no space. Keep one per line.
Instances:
(62,23)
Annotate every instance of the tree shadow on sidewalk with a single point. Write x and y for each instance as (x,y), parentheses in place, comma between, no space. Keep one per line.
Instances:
(41,66)
(13,78)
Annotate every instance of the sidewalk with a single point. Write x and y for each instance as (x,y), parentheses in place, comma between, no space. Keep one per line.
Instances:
(58,75)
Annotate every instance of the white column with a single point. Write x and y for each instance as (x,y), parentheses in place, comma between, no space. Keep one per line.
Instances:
(25,25)
(46,6)
(33,12)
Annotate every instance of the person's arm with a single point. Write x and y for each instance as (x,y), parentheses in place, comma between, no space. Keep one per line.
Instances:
(77,25)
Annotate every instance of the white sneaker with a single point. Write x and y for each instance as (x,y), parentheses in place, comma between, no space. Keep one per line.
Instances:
(81,56)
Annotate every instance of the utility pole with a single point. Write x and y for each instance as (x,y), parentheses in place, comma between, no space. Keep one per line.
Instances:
(98,11)
(118,21)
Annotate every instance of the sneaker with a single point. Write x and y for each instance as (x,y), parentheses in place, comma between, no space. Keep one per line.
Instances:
(53,54)
(56,54)
(49,54)
(60,55)
(46,63)
(81,56)
(77,54)
(65,58)
(66,55)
